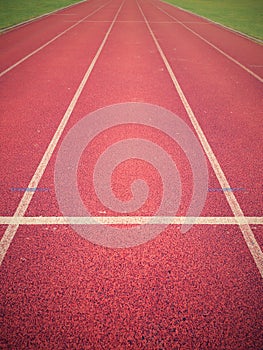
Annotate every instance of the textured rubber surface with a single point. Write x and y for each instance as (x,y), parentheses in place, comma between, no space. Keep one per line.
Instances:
(199,290)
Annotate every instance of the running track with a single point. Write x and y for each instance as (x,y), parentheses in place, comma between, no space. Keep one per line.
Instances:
(196,290)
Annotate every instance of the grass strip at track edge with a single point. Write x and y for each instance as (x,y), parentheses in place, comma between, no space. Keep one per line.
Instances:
(28,21)
(259,40)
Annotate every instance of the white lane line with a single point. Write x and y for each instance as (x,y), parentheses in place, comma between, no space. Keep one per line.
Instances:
(248,235)
(98,21)
(128,220)
(131,21)
(214,46)
(63,14)
(49,42)
(26,199)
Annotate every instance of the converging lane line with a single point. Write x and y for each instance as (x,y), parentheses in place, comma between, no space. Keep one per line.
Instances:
(49,42)
(26,199)
(248,235)
(212,45)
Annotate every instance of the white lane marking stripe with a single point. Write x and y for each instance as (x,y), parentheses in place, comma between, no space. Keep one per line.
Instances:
(120,21)
(247,233)
(128,220)
(49,42)
(25,201)
(215,47)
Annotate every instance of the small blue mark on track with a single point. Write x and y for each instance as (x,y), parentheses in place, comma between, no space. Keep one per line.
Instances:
(227,189)
(29,189)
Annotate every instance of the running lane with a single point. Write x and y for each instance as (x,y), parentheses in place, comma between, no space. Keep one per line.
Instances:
(30,37)
(225,98)
(34,98)
(199,290)
(240,48)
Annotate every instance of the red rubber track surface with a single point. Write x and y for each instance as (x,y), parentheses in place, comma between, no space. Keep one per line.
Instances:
(199,290)
(21,41)
(237,46)
(238,109)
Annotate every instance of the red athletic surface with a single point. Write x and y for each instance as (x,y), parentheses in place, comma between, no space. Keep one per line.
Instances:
(199,290)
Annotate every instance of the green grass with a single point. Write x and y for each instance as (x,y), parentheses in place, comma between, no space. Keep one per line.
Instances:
(245,16)
(16,11)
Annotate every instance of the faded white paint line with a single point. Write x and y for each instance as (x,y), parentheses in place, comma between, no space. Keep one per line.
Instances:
(128,220)
(131,21)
